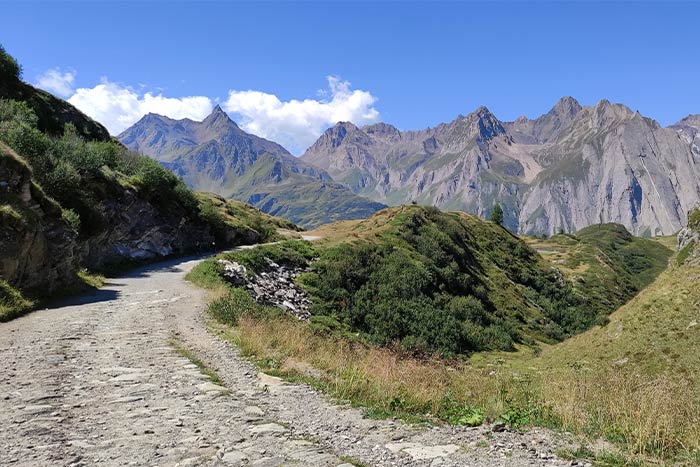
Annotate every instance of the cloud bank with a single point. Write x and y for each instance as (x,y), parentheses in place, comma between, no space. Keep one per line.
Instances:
(295,124)
(118,107)
(56,82)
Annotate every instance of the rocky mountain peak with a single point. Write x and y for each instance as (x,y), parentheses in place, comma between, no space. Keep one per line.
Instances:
(218,117)
(691,120)
(566,106)
(335,135)
(380,128)
(484,124)
(606,113)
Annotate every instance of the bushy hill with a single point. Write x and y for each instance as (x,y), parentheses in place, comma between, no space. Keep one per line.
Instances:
(441,281)
(452,283)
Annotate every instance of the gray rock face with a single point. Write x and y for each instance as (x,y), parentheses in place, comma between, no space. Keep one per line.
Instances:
(135,229)
(570,168)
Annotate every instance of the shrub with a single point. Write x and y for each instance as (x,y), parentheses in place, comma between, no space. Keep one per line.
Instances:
(72,219)
(497,215)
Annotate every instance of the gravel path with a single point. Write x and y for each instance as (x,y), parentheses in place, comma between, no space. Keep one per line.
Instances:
(96,381)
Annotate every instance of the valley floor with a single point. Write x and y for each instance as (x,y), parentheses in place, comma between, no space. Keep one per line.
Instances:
(99,380)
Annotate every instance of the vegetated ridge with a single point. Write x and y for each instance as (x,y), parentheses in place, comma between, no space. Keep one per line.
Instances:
(452,283)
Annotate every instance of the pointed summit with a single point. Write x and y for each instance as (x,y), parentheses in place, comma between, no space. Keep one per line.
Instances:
(335,135)
(566,106)
(218,116)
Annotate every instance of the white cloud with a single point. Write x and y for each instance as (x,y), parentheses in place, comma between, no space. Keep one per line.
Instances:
(118,107)
(297,124)
(55,81)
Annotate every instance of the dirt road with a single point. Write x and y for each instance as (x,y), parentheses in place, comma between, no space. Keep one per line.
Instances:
(96,381)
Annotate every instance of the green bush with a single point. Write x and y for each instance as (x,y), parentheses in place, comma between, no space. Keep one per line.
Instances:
(430,287)
(72,219)
(237,303)
(12,303)
(293,253)
(79,173)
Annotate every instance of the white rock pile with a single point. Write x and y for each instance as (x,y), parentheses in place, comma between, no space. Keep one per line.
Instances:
(275,287)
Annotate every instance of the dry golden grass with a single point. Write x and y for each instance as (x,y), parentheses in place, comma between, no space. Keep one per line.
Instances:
(656,416)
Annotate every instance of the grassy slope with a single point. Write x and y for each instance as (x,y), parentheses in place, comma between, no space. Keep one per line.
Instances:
(606,264)
(657,331)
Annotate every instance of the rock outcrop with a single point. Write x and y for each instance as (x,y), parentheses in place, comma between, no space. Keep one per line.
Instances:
(689,239)
(134,229)
(275,287)
(38,248)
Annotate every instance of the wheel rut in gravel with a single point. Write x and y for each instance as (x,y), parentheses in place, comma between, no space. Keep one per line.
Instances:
(98,380)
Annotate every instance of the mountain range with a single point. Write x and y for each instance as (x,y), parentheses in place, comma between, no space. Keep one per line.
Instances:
(569,168)
(216,155)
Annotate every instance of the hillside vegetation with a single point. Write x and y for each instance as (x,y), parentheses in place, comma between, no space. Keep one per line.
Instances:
(52,113)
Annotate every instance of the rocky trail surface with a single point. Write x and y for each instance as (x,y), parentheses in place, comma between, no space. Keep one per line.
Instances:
(97,381)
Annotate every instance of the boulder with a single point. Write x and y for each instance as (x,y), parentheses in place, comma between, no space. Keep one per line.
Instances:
(233,272)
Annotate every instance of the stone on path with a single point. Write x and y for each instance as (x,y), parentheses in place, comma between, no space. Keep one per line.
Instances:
(268,428)
(234,458)
(420,452)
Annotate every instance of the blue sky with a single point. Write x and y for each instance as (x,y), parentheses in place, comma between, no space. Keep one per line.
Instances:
(410,64)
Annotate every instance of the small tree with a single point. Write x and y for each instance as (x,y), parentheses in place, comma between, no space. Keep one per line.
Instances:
(497,214)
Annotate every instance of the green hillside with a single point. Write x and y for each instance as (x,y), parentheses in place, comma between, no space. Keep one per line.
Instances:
(605,263)
(452,283)
(395,294)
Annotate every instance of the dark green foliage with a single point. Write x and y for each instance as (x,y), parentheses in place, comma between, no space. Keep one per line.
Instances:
(627,265)
(238,302)
(497,215)
(443,283)
(9,68)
